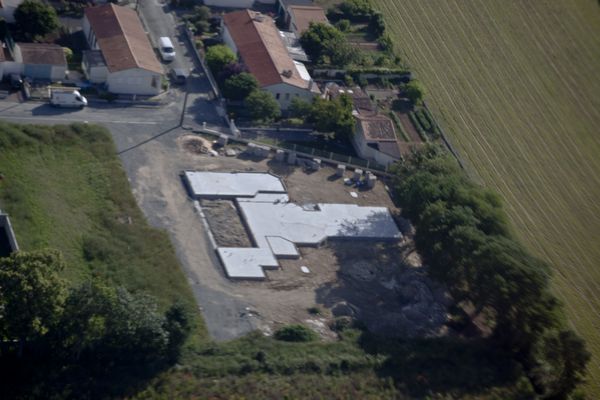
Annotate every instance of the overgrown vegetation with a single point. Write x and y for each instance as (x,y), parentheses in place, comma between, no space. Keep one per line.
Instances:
(115,312)
(327,116)
(35,19)
(463,235)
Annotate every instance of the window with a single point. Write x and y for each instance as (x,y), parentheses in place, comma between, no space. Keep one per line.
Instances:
(277,96)
(287,96)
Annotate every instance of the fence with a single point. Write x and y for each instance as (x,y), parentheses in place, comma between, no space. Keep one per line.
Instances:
(304,151)
(213,83)
(451,148)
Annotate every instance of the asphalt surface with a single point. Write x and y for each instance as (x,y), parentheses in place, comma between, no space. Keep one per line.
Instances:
(146,141)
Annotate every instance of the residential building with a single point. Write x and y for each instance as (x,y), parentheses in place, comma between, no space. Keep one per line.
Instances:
(375,139)
(38,61)
(256,40)
(8,8)
(300,18)
(122,56)
(283,6)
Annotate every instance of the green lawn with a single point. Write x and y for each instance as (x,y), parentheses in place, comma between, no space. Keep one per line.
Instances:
(516,86)
(64,188)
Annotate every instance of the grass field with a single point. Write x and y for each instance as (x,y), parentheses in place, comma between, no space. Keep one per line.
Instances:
(517,87)
(64,188)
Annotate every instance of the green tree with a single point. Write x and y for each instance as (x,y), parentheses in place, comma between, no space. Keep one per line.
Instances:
(333,116)
(377,25)
(178,326)
(300,108)
(262,106)
(561,359)
(31,295)
(356,8)
(36,19)
(414,91)
(112,325)
(338,51)
(239,86)
(218,57)
(315,39)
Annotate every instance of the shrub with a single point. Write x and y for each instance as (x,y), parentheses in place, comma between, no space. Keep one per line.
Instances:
(314,310)
(295,333)
(239,86)
(218,57)
(423,121)
(262,106)
(343,25)
(414,91)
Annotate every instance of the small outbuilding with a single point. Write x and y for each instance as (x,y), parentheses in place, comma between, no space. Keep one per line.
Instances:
(41,61)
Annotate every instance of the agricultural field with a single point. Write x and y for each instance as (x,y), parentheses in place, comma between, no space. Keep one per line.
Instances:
(516,87)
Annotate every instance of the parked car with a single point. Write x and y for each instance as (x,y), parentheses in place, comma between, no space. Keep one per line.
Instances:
(178,76)
(67,98)
(166,49)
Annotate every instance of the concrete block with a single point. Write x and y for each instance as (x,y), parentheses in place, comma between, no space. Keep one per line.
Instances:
(279,155)
(357,174)
(292,158)
(341,169)
(371,179)
(250,149)
(316,163)
(223,140)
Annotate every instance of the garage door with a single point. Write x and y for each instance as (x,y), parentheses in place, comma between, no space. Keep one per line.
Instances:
(38,71)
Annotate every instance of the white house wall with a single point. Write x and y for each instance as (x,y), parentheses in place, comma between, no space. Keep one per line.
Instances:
(284,94)
(8,9)
(228,40)
(134,81)
(12,67)
(368,153)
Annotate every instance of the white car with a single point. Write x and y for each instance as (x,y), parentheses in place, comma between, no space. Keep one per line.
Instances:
(166,49)
(67,98)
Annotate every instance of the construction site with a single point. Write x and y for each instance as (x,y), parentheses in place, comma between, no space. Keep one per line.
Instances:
(306,242)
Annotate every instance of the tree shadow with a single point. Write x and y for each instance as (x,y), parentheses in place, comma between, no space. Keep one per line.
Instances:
(448,365)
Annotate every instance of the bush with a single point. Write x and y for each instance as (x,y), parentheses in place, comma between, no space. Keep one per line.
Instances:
(418,127)
(377,25)
(414,91)
(217,57)
(239,86)
(423,121)
(343,25)
(356,9)
(295,333)
(262,106)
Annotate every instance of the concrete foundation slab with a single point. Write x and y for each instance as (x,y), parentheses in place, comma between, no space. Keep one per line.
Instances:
(282,248)
(246,263)
(310,228)
(231,184)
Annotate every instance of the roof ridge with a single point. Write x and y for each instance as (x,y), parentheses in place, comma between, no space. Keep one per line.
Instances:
(262,39)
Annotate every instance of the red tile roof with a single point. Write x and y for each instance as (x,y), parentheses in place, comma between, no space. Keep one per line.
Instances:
(304,15)
(122,38)
(42,53)
(262,50)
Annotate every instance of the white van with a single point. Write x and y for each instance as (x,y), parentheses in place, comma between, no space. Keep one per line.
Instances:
(67,98)
(165,47)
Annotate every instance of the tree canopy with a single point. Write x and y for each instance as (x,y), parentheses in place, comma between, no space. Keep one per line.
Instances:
(414,91)
(36,19)
(239,86)
(217,57)
(463,236)
(32,294)
(262,106)
(324,43)
(333,115)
